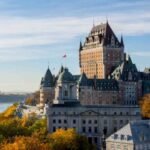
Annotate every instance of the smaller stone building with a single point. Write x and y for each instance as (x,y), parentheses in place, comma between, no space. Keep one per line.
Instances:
(47,87)
(133,136)
(93,121)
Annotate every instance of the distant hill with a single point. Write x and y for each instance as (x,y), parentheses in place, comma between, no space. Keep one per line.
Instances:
(6,97)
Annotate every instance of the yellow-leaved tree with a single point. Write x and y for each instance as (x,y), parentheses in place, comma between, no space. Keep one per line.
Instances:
(69,140)
(145,106)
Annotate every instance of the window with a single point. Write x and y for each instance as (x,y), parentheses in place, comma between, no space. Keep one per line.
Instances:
(95,140)
(83,121)
(95,121)
(54,129)
(83,129)
(66,93)
(59,121)
(90,140)
(90,129)
(95,129)
(65,121)
(115,129)
(74,121)
(54,121)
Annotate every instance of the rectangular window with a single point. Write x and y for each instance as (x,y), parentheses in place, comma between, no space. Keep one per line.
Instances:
(66,93)
(54,129)
(83,129)
(54,121)
(65,121)
(95,121)
(83,121)
(95,129)
(95,140)
(74,121)
(90,130)
(59,121)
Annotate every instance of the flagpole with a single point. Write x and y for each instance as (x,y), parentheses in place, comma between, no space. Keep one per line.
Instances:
(64,56)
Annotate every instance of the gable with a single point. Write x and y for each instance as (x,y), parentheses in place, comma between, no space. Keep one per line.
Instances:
(89,113)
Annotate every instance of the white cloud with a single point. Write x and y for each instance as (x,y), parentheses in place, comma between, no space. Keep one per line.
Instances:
(17,33)
(141,53)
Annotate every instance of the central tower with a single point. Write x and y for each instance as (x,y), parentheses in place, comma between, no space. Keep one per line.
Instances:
(101,52)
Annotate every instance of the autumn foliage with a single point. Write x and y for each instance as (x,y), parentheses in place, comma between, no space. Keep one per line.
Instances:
(69,140)
(31,134)
(145,106)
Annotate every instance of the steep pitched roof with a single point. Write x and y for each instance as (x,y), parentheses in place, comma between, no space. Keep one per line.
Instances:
(47,80)
(105,35)
(98,84)
(126,71)
(134,132)
(83,81)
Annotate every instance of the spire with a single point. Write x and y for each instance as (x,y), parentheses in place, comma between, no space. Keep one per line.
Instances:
(47,80)
(128,59)
(83,80)
(80,46)
(121,41)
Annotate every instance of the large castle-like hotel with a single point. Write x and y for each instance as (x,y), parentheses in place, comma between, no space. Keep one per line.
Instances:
(104,97)
(108,75)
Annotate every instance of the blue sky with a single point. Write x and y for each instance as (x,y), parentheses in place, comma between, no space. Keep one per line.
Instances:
(35,33)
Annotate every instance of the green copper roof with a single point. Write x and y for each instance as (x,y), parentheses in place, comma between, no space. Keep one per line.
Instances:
(65,76)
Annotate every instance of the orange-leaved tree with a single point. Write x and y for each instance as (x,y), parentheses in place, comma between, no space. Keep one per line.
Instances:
(145,106)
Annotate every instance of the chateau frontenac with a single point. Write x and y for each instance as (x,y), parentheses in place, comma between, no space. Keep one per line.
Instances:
(103,97)
(108,75)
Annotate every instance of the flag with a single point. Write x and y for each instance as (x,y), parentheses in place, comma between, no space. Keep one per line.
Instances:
(64,56)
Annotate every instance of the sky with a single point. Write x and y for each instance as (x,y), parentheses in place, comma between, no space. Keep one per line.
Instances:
(37,33)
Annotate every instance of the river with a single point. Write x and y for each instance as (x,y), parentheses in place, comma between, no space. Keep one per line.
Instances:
(3,106)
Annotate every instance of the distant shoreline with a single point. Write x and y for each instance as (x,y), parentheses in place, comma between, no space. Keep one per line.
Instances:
(13,98)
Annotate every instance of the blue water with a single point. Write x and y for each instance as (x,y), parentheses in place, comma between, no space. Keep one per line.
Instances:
(4,106)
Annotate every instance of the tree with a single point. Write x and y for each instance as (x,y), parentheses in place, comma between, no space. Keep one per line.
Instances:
(145,106)
(69,140)
(25,143)
(33,99)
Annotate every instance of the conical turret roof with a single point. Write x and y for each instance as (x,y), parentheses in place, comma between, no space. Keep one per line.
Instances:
(83,81)
(47,80)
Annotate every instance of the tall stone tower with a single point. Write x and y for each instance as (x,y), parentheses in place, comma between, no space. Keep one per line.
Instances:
(101,52)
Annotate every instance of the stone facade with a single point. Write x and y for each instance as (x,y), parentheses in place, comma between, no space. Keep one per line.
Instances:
(108,75)
(92,120)
(101,52)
